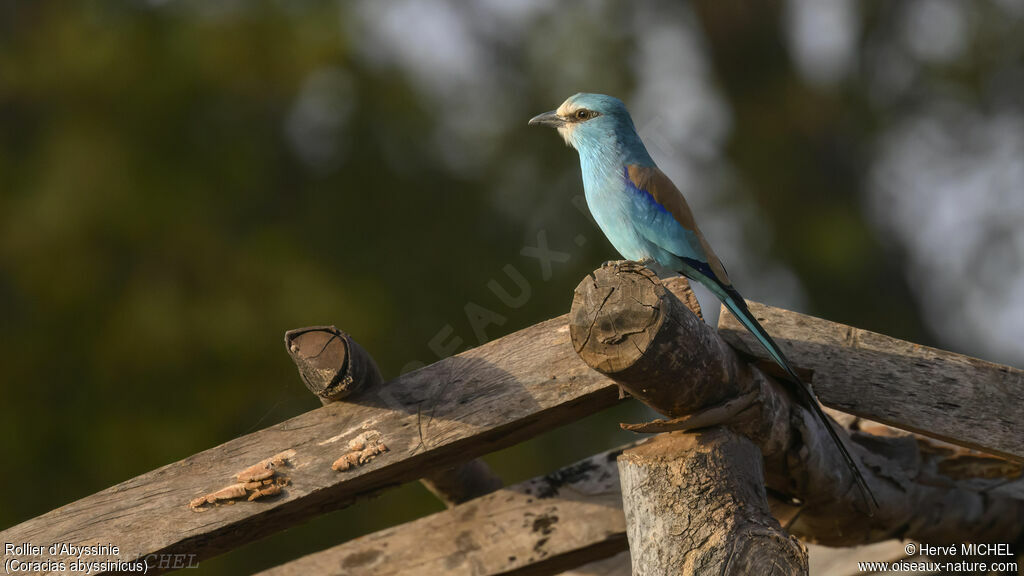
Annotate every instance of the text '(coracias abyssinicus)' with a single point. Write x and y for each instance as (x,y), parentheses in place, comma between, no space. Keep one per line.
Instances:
(646,218)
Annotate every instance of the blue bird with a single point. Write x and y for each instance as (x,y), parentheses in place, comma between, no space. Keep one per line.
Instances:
(646,218)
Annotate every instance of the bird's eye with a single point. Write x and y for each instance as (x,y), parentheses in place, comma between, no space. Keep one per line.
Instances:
(582,114)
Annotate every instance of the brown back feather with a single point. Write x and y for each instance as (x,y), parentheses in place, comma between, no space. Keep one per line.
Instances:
(653,181)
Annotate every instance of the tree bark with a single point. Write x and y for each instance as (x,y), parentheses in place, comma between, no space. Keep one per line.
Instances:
(333,365)
(695,504)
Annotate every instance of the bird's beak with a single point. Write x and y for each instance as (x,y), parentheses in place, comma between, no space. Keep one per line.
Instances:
(551,119)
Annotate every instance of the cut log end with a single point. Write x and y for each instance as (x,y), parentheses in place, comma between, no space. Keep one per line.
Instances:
(609,339)
(628,325)
(331,364)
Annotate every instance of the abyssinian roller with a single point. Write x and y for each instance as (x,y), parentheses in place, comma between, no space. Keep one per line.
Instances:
(646,218)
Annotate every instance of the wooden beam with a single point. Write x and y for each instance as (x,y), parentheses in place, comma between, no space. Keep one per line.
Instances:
(455,410)
(941,394)
(542,526)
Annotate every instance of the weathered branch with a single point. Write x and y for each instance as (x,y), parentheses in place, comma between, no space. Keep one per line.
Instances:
(695,504)
(542,526)
(949,396)
(626,324)
(457,409)
(333,365)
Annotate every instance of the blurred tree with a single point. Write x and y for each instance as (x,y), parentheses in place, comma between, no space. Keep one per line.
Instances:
(803,152)
(181,182)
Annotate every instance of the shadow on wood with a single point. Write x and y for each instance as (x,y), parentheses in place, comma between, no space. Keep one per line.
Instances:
(333,366)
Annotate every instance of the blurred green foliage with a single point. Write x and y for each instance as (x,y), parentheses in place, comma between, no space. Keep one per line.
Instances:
(161,226)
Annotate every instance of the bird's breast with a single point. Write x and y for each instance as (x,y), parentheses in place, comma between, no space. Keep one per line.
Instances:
(614,208)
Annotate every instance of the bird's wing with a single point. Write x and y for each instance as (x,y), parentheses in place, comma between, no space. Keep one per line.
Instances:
(671,225)
(672,228)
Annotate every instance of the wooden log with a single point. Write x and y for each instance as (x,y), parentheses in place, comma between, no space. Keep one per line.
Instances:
(459,408)
(653,347)
(627,324)
(542,526)
(950,495)
(333,365)
(941,394)
(695,504)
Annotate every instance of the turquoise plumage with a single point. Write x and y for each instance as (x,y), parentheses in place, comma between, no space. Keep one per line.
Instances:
(646,218)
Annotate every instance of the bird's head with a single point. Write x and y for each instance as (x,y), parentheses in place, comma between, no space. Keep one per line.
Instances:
(589,119)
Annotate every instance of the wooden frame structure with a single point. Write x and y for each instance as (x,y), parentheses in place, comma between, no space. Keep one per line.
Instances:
(736,462)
